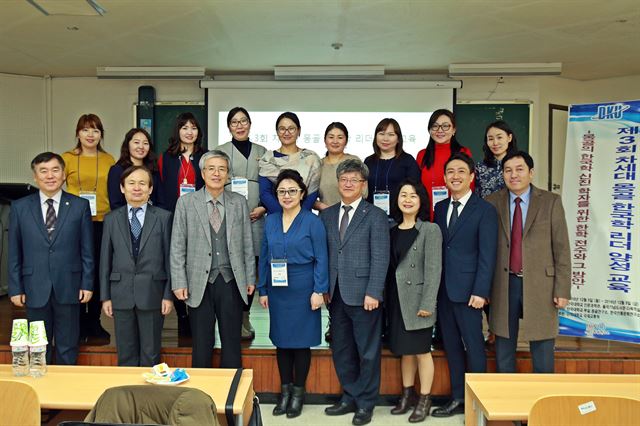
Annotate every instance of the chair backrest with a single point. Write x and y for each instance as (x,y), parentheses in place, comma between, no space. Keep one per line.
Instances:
(584,410)
(20,404)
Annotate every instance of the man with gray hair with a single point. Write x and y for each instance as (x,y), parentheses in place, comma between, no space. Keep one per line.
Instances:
(212,262)
(358,239)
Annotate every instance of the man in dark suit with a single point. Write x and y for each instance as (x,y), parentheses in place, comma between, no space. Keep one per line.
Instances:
(532,278)
(469,228)
(212,262)
(134,270)
(51,257)
(358,238)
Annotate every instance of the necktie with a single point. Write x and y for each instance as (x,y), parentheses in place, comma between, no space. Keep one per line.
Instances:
(515,254)
(344,222)
(215,219)
(136,227)
(454,214)
(51,217)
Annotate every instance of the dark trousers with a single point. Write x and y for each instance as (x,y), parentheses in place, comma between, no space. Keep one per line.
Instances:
(62,326)
(138,335)
(221,301)
(461,328)
(542,351)
(356,346)
(90,312)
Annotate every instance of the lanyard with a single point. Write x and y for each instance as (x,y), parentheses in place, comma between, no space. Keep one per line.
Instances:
(95,186)
(188,168)
(284,235)
(386,182)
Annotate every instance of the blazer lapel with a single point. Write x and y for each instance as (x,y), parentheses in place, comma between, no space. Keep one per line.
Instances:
(532,211)
(36,210)
(229,208)
(358,216)
(504,213)
(123,225)
(467,211)
(63,212)
(200,201)
(150,220)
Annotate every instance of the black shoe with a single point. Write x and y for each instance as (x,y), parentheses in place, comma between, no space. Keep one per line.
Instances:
(452,408)
(362,417)
(283,400)
(340,408)
(297,401)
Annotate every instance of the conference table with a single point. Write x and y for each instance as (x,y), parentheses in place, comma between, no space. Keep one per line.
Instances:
(509,397)
(79,387)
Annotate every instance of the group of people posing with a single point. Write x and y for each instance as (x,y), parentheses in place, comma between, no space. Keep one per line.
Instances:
(426,238)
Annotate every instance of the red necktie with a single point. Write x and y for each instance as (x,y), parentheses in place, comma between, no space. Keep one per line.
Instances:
(515,255)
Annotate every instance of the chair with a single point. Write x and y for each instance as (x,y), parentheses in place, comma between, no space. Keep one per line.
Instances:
(164,405)
(20,404)
(564,410)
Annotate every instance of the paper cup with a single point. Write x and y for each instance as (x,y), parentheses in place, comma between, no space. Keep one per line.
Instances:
(37,334)
(20,333)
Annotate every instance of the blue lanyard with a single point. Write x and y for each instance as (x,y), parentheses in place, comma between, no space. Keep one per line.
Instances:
(386,182)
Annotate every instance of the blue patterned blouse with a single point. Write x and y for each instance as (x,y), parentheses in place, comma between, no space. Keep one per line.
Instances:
(488,179)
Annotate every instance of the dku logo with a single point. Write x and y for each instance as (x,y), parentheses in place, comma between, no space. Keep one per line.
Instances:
(610,112)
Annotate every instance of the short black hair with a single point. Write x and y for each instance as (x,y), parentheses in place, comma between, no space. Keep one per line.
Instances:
(294,176)
(522,154)
(45,157)
(462,157)
(234,111)
(132,169)
(423,211)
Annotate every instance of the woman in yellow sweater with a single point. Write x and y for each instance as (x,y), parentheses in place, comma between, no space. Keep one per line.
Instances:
(87,168)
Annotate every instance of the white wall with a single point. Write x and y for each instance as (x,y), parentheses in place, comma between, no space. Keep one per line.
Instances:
(22,126)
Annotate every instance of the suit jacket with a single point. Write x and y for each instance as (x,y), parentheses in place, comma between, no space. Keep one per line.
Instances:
(359,262)
(248,166)
(39,265)
(191,244)
(418,277)
(546,265)
(468,249)
(129,282)
(169,184)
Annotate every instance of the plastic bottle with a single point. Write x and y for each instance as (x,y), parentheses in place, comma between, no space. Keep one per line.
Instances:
(20,364)
(38,360)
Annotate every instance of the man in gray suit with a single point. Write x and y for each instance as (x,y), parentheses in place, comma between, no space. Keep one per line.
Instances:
(134,270)
(358,238)
(212,262)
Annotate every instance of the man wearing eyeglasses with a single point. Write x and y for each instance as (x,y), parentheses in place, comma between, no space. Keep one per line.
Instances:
(212,262)
(358,238)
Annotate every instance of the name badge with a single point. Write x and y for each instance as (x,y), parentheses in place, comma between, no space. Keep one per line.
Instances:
(279,273)
(186,188)
(241,186)
(381,199)
(438,193)
(92,199)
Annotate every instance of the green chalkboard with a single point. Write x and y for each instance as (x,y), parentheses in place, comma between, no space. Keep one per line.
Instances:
(165,118)
(473,119)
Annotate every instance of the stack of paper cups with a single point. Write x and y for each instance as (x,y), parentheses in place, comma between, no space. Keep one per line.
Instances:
(37,349)
(20,347)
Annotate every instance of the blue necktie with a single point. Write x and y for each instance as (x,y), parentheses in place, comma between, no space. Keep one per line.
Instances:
(136,227)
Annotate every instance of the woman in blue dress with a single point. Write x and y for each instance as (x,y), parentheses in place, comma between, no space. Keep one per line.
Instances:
(294,269)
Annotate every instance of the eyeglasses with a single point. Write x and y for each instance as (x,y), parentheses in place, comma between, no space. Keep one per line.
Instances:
(445,126)
(292,192)
(290,130)
(213,169)
(352,181)
(236,123)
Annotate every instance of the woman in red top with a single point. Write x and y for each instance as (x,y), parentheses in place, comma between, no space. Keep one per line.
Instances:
(442,144)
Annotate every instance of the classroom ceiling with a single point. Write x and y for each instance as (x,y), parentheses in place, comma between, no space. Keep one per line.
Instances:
(593,39)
